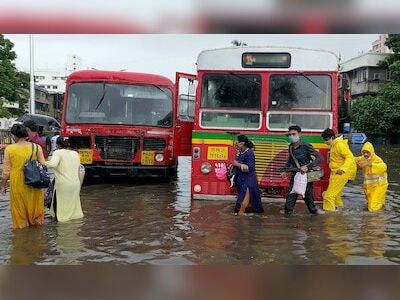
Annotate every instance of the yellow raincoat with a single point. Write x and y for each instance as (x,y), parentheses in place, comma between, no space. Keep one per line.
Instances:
(341,158)
(375,179)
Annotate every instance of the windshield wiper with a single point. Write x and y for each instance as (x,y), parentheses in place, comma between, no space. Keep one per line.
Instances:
(156,86)
(310,80)
(244,78)
(102,97)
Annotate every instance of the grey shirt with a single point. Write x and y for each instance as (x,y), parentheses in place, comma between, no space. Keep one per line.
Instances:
(305,154)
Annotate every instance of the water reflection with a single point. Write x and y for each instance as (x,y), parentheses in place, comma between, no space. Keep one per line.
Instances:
(137,222)
(373,234)
(339,237)
(28,245)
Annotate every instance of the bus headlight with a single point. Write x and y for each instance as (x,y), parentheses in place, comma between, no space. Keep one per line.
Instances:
(197,188)
(159,157)
(205,168)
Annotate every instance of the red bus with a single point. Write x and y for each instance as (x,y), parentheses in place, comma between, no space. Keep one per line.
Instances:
(125,123)
(259,92)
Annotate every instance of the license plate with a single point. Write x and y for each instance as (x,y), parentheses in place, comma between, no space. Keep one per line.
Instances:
(147,158)
(217,153)
(86,156)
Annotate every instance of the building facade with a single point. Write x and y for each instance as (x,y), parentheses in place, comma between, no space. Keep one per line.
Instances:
(379,46)
(364,74)
(50,87)
(54,80)
(48,103)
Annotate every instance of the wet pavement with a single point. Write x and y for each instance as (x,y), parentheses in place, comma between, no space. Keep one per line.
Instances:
(137,222)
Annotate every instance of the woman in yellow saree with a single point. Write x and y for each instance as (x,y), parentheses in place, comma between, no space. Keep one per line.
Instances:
(26,202)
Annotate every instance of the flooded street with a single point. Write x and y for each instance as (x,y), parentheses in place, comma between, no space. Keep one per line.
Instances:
(158,224)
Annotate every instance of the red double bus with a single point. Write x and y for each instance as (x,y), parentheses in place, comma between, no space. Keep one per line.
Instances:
(125,123)
(259,92)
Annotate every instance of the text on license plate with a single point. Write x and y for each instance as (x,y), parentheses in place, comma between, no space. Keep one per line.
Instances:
(86,156)
(147,158)
(217,153)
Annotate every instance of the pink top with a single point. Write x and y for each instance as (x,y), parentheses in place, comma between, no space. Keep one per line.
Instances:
(38,140)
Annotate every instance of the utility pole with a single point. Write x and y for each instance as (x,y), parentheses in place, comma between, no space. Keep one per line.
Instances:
(32,78)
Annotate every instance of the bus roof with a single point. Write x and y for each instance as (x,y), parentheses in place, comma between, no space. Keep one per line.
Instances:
(302,59)
(119,76)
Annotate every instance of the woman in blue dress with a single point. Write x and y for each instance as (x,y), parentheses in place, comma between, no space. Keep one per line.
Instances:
(246,178)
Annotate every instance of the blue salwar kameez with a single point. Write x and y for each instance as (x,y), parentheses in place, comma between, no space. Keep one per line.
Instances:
(247,180)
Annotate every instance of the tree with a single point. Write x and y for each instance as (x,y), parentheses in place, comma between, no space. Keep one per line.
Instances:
(376,116)
(14,85)
(4,113)
(380,115)
(392,62)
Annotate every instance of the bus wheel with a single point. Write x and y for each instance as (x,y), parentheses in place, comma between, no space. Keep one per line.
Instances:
(171,174)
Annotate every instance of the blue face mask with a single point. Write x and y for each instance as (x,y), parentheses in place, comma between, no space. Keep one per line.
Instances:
(294,138)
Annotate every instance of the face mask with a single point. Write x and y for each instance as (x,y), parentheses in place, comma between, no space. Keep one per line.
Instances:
(294,138)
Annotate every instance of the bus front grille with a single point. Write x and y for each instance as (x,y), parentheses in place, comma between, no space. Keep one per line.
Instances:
(79,142)
(154,144)
(121,148)
(270,157)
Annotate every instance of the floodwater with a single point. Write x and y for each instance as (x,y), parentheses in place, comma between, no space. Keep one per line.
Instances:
(156,223)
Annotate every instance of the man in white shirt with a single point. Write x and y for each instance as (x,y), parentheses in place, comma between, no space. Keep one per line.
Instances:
(54,141)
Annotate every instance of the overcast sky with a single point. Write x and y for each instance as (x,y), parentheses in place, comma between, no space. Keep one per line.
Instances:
(164,54)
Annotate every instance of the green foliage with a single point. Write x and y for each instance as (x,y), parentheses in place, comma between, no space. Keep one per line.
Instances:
(393,61)
(14,85)
(4,113)
(376,115)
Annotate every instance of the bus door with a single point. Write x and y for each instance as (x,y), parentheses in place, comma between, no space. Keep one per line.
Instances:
(185,92)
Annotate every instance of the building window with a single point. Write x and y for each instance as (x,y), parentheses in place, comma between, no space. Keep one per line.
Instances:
(54,87)
(377,76)
(364,75)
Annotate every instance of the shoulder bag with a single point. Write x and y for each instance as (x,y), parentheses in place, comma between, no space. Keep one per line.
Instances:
(312,174)
(35,174)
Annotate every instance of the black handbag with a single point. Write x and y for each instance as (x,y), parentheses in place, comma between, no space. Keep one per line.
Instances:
(35,174)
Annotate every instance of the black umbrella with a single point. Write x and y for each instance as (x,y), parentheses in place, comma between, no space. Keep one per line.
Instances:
(40,120)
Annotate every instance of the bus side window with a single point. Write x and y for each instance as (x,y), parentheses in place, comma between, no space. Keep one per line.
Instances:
(186,107)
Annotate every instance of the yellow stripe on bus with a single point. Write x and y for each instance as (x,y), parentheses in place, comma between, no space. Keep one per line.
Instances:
(320,146)
(212,142)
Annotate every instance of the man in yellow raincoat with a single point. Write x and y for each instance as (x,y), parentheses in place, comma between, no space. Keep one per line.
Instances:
(343,168)
(375,177)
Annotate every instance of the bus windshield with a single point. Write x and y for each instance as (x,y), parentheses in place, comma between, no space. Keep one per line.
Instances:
(231,90)
(300,91)
(127,104)
(231,101)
